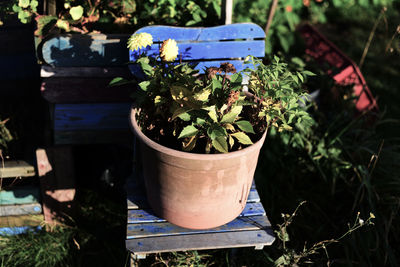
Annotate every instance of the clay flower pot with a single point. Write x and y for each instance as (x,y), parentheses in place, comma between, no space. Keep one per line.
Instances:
(196,191)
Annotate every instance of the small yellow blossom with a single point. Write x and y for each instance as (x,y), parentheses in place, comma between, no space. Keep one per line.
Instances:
(371,215)
(140,40)
(169,50)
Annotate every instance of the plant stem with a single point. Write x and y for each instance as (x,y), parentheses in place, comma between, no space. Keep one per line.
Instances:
(272,10)
(371,36)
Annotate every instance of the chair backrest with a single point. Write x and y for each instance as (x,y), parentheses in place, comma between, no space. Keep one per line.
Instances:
(209,46)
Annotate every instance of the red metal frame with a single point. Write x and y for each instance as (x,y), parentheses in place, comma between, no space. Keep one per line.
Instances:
(340,67)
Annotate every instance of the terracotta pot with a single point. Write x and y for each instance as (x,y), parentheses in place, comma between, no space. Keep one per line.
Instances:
(196,191)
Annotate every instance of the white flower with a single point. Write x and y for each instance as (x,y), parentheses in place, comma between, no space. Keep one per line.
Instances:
(169,50)
(140,40)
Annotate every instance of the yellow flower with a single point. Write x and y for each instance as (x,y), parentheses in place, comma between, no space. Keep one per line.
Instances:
(140,40)
(169,50)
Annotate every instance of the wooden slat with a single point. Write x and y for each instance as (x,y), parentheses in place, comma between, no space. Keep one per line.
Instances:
(99,116)
(93,137)
(16,168)
(200,241)
(224,32)
(168,229)
(211,50)
(21,220)
(23,209)
(201,66)
(20,195)
(146,216)
(85,50)
(84,90)
(87,72)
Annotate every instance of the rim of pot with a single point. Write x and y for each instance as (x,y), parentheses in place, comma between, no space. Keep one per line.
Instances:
(138,132)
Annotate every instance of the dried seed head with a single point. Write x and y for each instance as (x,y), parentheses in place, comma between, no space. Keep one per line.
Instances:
(228,67)
(212,71)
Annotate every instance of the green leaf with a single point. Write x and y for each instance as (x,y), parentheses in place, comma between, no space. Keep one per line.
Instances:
(63,24)
(143,85)
(242,138)
(184,116)
(245,126)
(119,81)
(23,3)
(213,114)
(188,131)
(34,4)
(216,131)
(308,73)
(202,95)
(180,111)
(76,12)
(216,84)
(181,94)
(220,144)
(232,114)
(231,141)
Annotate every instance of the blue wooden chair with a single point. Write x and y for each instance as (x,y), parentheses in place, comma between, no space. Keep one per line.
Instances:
(146,233)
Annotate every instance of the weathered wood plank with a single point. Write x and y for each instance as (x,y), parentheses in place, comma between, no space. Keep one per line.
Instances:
(93,137)
(89,50)
(147,216)
(224,32)
(211,50)
(200,241)
(16,168)
(21,220)
(23,209)
(20,195)
(99,116)
(84,90)
(17,230)
(168,229)
(57,182)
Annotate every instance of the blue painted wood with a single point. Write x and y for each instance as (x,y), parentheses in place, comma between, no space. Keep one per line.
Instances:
(21,195)
(210,50)
(4,231)
(146,216)
(257,238)
(85,50)
(21,209)
(223,32)
(99,116)
(168,229)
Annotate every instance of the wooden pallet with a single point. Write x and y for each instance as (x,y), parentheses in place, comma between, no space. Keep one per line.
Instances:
(147,233)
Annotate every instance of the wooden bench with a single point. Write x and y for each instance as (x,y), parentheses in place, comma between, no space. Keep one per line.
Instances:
(146,233)
(20,206)
(75,74)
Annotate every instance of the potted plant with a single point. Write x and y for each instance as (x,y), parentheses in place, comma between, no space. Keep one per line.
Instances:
(201,135)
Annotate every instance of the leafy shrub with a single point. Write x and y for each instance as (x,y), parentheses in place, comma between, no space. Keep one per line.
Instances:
(116,16)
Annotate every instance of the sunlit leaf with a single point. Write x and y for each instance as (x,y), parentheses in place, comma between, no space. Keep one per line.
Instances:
(242,138)
(188,131)
(232,114)
(220,144)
